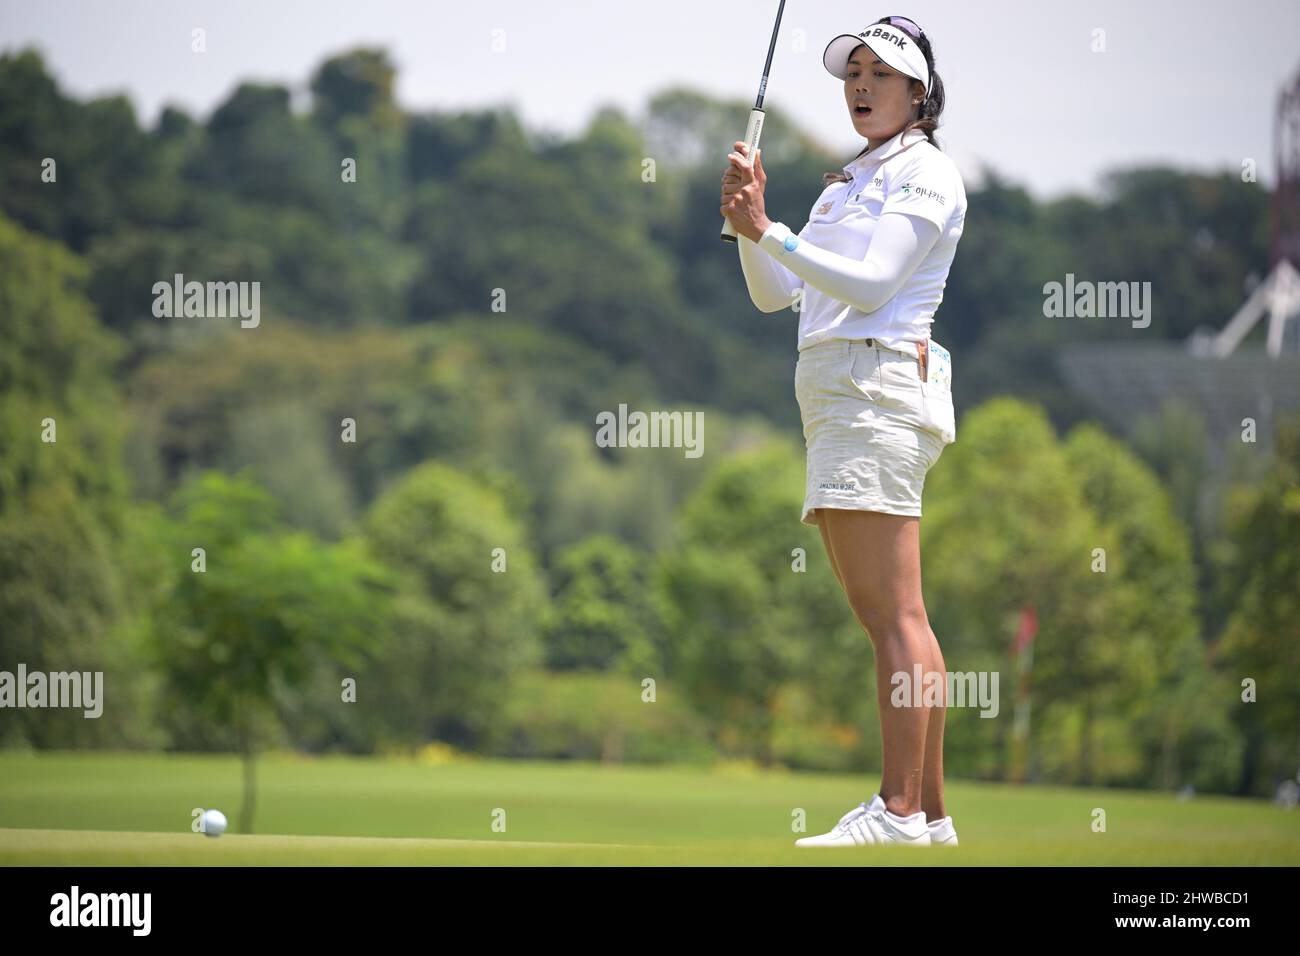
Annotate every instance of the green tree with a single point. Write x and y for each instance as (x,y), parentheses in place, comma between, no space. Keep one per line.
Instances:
(265,609)
(60,598)
(57,363)
(740,620)
(1007,527)
(356,85)
(61,499)
(107,173)
(287,450)
(578,262)
(467,611)
(600,614)
(1150,608)
(1260,578)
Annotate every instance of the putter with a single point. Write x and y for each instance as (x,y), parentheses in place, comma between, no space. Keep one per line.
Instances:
(755,128)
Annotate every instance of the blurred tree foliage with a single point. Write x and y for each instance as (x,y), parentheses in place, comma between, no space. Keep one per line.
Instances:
(600,616)
(1017,519)
(750,604)
(57,363)
(466,621)
(1175,714)
(1261,644)
(62,491)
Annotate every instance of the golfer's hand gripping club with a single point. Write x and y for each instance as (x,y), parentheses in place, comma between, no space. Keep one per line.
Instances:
(752,134)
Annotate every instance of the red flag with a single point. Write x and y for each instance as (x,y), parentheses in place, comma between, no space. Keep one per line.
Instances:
(1027,629)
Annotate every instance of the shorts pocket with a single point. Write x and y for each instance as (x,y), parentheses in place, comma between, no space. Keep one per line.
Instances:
(900,371)
(864,373)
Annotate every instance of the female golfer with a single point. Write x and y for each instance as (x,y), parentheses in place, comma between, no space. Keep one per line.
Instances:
(874,389)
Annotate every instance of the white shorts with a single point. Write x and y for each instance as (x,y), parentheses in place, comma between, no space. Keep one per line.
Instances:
(873,428)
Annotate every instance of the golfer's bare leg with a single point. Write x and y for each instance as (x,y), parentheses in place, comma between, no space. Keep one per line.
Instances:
(826,542)
(932,778)
(879,560)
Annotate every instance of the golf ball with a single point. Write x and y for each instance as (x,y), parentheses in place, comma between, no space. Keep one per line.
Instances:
(214,823)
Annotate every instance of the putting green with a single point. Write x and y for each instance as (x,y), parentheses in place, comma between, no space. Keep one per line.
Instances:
(135,809)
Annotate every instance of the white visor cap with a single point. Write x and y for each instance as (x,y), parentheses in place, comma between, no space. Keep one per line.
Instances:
(893,45)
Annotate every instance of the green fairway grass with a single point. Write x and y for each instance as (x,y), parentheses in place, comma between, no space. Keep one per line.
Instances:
(135,809)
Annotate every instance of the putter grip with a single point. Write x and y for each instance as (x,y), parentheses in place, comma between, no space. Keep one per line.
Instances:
(752,133)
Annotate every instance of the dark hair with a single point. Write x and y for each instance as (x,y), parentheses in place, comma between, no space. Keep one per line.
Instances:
(928,119)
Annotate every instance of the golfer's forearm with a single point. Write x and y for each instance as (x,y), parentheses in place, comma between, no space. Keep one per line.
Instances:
(772,286)
(898,245)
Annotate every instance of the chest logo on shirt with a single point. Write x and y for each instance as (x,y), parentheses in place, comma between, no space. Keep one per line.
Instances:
(875,183)
(824,208)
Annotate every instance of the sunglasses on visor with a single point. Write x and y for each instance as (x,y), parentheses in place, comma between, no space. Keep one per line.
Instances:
(904,24)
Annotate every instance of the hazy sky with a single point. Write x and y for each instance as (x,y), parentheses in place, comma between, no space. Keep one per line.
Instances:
(1189,83)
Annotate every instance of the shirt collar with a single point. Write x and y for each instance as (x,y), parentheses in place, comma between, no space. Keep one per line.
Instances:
(891,147)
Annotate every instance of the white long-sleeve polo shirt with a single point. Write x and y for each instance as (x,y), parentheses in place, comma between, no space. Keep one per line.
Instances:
(873,259)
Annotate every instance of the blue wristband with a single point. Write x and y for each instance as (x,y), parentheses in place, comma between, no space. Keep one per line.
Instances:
(777,240)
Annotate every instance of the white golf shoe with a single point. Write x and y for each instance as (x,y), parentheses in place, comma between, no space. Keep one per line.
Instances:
(942,833)
(872,823)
